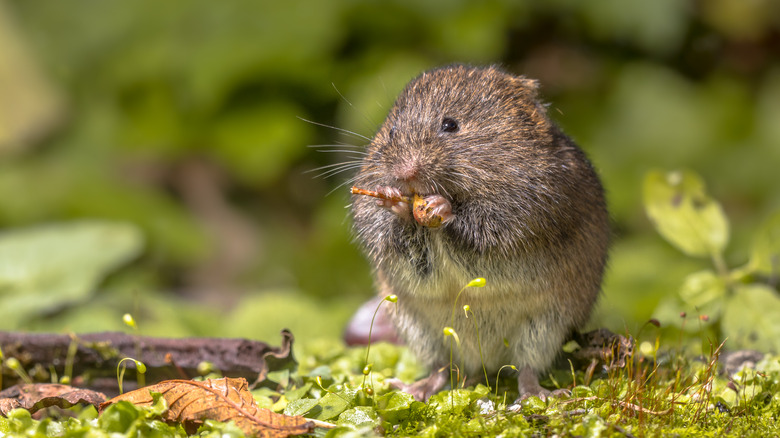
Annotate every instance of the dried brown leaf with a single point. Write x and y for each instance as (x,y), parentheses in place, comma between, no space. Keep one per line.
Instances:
(37,396)
(191,402)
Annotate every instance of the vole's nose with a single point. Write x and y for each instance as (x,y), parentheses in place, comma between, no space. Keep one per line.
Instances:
(406,171)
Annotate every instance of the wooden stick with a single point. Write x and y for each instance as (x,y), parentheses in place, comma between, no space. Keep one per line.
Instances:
(99,353)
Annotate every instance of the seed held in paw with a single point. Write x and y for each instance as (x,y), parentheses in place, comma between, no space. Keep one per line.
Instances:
(424,213)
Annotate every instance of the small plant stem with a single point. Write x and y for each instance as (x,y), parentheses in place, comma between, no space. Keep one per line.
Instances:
(573,373)
(479,346)
(452,381)
(14,364)
(452,325)
(140,369)
(477,282)
(498,375)
(72,350)
(120,375)
(366,368)
(720,265)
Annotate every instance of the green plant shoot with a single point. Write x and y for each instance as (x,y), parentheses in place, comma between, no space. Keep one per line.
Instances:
(120,372)
(367,367)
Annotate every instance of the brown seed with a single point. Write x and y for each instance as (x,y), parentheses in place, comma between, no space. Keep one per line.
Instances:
(424,214)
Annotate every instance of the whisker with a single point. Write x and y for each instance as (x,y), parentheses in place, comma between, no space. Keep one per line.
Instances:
(337,145)
(344,151)
(362,113)
(345,131)
(336,171)
(329,166)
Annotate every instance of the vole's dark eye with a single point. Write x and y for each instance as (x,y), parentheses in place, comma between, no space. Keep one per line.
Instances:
(392,132)
(449,125)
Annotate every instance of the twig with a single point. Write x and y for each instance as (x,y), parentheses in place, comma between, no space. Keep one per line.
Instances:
(623,431)
(322,424)
(373,194)
(623,404)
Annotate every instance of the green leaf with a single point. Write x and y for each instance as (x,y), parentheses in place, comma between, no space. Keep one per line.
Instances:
(300,406)
(359,416)
(395,406)
(159,404)
(765,255)
(332,404)
(452,400)
(297,393)
(216,429)
(533,405)
(48,266)
(119,417)
(704,291)
(751,318)
(682,212)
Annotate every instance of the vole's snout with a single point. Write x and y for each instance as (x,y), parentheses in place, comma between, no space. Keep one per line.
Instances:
(412,179)
(414,170)
(407,171)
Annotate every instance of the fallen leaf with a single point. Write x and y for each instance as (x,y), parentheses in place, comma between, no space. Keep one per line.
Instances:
(191,402)
(37,396)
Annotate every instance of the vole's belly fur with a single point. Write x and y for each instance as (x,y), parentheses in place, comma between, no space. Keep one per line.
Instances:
(523,314)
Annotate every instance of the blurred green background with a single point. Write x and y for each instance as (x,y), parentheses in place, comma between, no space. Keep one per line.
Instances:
(184,124)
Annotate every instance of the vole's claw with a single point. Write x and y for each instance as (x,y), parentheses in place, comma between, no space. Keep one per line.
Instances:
(440,206)
(401,208)
(528,386)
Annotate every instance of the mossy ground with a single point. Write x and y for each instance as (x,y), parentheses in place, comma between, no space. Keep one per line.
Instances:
(670,395)
(673,395)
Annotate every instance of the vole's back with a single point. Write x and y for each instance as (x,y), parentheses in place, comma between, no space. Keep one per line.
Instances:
(527,213)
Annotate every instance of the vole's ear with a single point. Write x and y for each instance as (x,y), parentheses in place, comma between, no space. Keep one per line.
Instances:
(531,110)
(532,84)
(529,86)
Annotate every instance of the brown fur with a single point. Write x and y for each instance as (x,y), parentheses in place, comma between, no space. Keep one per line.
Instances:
(528,215)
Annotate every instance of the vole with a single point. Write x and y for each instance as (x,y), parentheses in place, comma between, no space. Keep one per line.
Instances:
(520,205)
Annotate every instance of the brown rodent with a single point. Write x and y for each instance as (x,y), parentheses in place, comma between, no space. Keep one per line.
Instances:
(521,206)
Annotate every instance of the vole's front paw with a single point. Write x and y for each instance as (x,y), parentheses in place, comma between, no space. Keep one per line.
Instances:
(432,210)
(395,201)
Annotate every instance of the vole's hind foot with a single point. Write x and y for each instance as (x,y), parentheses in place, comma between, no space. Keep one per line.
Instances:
(422,389)
(394,201)
(528,385)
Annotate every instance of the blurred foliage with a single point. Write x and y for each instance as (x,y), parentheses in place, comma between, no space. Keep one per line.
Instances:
(185,119)
(46,267)
(741,304)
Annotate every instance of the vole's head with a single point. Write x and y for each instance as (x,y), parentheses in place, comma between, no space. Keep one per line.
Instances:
(457,129)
